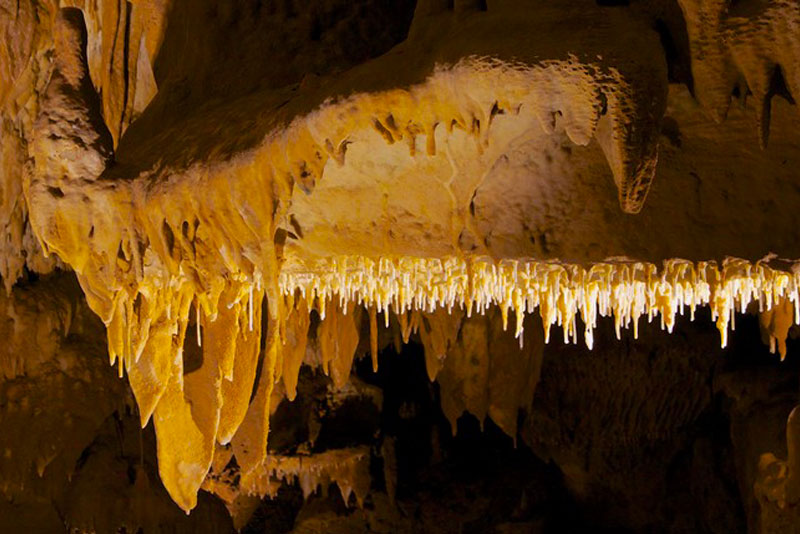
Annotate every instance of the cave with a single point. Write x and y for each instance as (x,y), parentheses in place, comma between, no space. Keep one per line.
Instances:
(408,266)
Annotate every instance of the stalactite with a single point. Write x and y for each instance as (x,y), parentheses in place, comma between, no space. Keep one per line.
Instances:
(465,375)
(250,441)
(338,339)
(626,290)
(236,390)
(775,324)
(438,335)
(294,349)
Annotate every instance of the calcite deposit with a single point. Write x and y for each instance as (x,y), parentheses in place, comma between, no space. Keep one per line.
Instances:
(236,203)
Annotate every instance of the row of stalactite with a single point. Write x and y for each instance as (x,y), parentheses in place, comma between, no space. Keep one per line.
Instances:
(225,404)
(626,290)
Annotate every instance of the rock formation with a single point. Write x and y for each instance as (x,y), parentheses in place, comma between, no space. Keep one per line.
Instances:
(239,202)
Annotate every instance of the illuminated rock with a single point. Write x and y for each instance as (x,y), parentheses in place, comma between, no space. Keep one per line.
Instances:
(447,181)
